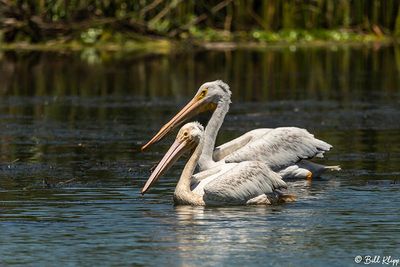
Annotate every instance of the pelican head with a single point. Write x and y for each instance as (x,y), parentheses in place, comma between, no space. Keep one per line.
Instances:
(188,138)
(209,95)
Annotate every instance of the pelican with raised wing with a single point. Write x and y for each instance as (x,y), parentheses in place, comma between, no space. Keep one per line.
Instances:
(282,149)
(244,183)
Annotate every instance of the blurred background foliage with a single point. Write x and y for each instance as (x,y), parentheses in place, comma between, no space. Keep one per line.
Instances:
(91,21)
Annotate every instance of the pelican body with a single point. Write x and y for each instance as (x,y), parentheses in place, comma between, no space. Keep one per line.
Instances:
(244,183)
(279,148)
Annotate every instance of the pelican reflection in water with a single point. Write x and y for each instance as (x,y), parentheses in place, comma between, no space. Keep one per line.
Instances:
(236,183)
(282,149)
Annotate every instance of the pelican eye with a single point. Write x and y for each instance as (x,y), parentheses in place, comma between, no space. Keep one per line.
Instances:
(203,93)
(185,134)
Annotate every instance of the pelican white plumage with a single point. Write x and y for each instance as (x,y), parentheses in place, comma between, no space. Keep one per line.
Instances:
(280,148)
(244,183)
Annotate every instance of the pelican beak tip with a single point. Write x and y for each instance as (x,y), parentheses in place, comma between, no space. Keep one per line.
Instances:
(145,147)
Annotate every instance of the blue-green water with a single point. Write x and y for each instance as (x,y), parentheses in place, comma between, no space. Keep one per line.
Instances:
(70,171)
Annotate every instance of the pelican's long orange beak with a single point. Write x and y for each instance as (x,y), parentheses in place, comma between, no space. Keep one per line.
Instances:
(178,148)
(194,107)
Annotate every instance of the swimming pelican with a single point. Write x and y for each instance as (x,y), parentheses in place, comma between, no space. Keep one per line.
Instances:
(283,149)
(244,183)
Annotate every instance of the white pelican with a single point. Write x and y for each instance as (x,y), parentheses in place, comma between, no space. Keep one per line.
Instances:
(244,183)
(280,148)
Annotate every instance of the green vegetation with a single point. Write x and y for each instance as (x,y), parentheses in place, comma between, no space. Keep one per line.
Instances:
(136,24)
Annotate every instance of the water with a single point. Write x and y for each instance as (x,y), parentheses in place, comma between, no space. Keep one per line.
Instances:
(70,170)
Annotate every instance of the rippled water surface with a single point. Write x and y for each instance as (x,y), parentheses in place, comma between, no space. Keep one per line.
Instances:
(70,170)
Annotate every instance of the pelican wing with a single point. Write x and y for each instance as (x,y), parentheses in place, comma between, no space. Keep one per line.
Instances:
(242,182)
(224,150)
(200,176)
(281,147)
(202,179)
